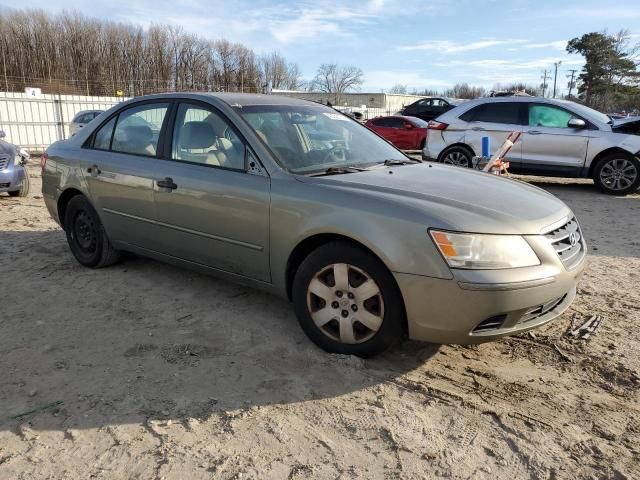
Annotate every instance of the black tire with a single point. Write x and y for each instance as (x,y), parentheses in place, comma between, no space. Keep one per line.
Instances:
(26,186)
(464,154)
(86,236)
(607,179)
(393,314)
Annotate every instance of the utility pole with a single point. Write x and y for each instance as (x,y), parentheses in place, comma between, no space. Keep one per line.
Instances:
(571,81)
(544,81)
(555,76)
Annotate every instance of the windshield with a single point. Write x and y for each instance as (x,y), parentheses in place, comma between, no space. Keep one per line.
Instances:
(590,113)
(308,139)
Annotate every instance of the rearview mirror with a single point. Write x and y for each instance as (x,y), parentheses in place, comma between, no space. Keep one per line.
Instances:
(576,123)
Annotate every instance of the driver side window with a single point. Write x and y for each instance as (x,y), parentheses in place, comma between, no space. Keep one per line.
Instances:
(202,136)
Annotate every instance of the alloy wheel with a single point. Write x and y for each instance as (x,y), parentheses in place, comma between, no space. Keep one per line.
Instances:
(457,159)
(345,303)
(618,174)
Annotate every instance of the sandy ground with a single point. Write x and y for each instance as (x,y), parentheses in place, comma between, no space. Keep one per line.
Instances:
(143,370)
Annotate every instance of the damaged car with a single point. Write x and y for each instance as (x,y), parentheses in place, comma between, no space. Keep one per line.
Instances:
(559,138)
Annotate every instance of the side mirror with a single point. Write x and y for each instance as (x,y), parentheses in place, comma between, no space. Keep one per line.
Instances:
(576,123)
(408,126)
(2,134)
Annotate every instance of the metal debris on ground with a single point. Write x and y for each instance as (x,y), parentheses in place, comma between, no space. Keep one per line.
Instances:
(587,329)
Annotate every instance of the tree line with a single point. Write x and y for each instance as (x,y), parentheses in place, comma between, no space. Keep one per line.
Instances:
(69,53)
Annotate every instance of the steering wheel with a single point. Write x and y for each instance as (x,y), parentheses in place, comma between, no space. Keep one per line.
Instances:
(336,154)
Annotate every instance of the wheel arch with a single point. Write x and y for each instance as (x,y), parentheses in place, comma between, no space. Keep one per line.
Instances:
(454,145)
(63,201)
(311,243)
(605,153)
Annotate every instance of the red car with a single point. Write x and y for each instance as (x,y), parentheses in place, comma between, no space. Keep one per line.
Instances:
(407,133)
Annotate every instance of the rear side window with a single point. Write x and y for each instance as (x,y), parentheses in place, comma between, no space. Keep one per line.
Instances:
(102,140)
(138,129)
(548,116)
(503,112)
(383,122)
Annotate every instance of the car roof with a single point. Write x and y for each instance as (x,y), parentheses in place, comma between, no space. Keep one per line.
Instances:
(235,99)
(516,98)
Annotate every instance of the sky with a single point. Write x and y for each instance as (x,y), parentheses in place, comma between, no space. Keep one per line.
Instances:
(416,43)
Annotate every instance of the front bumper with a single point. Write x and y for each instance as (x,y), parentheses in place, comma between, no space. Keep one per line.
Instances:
(11,178)
(464,310)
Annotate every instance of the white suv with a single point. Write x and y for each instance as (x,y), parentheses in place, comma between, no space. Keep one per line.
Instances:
(559,138)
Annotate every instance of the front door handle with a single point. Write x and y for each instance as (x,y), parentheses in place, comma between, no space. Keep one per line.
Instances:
(167,183)
(94,170)
(478,129)
(534,132)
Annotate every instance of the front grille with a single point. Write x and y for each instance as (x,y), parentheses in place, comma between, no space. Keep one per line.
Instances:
(4,161)
(540,310)
(568,243)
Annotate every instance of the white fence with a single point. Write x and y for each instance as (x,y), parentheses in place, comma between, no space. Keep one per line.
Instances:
(34,123)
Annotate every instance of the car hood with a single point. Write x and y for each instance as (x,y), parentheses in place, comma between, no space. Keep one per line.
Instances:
(454,198)
(629,125)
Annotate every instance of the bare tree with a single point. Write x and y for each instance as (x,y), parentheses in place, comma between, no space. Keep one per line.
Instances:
(337,80)
(398,88)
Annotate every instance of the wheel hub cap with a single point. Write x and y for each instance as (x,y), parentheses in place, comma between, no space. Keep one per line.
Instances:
(345,303)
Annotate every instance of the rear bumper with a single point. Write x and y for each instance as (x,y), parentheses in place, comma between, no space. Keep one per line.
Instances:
(454,311)
(11,179)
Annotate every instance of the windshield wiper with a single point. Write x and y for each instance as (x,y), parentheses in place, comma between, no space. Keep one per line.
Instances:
(337,171)
(393,161)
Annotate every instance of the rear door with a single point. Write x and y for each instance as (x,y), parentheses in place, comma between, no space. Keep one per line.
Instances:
(211,210)
(549,145)
(118,167)
(496,121)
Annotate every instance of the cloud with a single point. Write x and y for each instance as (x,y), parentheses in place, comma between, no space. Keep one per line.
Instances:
(384,79)
(447,46)
(558,45)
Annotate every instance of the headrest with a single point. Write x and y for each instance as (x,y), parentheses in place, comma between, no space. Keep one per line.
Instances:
(141,134)
(197,135)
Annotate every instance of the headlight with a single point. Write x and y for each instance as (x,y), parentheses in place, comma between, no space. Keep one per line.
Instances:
(484,252)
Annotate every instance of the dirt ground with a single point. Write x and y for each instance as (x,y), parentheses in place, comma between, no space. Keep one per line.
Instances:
(143,370)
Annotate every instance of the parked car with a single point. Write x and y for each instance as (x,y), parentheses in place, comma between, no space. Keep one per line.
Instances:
(408,133)
(81,119)
(364,241)
(429,108)
(14,178)
(559,138)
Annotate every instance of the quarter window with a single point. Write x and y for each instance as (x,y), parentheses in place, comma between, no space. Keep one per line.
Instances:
(102,140)
(548,116)
(138,129)
(202,136)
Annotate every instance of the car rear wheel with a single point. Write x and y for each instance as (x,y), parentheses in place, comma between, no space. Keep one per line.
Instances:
(617,174)
(86,236)
(347,301)
(457,156)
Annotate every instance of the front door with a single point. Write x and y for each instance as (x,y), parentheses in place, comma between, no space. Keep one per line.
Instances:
(549,145)
(211,210)
(118,167)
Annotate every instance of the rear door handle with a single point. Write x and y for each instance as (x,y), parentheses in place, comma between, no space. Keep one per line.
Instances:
(167,183)
(478,129)
(94,170)
(534,132)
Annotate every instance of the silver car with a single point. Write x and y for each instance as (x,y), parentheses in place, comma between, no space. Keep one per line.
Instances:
(559,138)
(300,200)
(81,119)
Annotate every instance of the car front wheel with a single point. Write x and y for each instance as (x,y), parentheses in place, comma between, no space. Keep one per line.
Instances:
(347,301)
(617,174)
(86,236)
